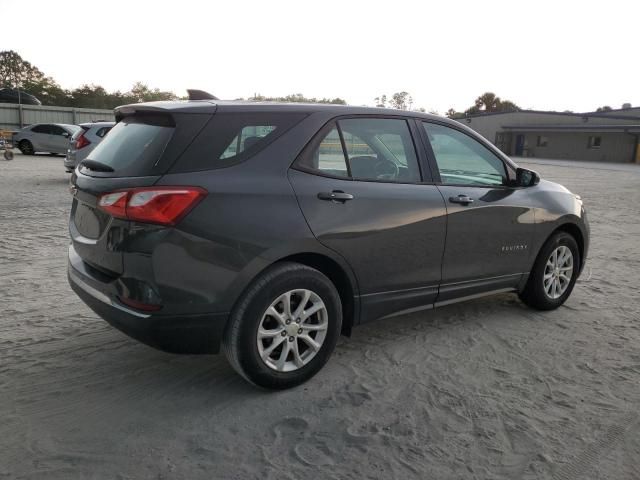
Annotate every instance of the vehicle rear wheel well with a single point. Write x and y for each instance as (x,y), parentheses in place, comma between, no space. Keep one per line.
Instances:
(332,270)
(575,232)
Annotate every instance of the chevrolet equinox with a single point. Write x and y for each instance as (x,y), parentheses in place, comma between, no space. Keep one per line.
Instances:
(270,229)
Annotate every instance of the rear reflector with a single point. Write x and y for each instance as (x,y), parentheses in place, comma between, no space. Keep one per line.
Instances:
(160,205)
(139,305)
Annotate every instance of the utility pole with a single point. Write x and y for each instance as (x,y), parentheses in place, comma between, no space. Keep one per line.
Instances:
(20,107)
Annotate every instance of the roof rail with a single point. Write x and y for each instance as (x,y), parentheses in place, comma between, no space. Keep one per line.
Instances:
(200,95)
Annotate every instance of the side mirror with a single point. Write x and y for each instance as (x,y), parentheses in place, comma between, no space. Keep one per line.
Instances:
(526,178)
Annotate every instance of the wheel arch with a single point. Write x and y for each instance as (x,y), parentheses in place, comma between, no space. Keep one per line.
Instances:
(573,230)
(339,277)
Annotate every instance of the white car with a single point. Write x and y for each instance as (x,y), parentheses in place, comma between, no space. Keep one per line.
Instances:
(82,143)
(44,137)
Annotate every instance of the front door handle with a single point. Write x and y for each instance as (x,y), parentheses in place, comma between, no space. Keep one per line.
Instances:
(335,196)
(463,199)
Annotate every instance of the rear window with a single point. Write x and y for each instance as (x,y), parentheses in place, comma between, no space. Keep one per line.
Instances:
(135,144)
(230,138)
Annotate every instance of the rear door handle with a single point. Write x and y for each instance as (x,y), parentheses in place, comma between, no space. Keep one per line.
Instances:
(335,196)
(463,199)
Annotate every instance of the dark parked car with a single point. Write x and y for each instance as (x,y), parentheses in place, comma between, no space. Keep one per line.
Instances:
(12,95)
(270,229)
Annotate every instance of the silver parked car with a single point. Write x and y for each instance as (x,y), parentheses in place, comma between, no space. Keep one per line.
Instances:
(44,137)
(82,143)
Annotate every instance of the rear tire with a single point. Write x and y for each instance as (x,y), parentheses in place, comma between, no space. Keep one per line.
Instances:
(275,349)
(26,147)
(554,273)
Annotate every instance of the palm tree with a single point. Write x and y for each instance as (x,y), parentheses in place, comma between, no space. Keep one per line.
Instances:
(488,102)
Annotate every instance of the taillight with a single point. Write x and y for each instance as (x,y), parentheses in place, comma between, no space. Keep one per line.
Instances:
(81,142)
(161,205)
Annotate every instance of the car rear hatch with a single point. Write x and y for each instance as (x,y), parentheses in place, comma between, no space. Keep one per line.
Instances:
(71,151)
(146,140)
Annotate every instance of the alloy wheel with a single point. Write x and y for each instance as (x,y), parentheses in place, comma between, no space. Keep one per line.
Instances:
(292,330)
(558,272)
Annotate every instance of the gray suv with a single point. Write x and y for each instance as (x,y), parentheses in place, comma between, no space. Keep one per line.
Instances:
(270,229)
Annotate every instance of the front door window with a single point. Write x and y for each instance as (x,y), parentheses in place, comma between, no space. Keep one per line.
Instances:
(462,160)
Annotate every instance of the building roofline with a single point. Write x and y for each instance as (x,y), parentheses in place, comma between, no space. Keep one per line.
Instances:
(547,112)
(586,128)
(613,110)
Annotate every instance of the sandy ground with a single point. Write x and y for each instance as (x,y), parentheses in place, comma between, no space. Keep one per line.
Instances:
(482,390)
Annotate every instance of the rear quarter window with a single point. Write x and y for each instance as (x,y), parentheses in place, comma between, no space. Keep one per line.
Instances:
(230,138)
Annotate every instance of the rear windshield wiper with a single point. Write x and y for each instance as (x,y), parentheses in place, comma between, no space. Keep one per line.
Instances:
(96,166)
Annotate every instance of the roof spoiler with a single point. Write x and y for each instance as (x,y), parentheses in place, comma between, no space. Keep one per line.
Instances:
(200,95)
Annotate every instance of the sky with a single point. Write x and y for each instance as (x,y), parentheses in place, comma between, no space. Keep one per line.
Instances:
(545,55)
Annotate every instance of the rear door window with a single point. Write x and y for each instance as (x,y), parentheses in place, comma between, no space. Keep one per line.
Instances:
(134,145)
(326,155)
(56,130)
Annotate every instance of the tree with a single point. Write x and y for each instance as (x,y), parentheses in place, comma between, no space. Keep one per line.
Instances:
(47,91)
(508,106)
(95,96)
(15,72)
(488,102)
(142,93)
(401,101)
(606,108)
(381,101)
(297,98)
(452,113)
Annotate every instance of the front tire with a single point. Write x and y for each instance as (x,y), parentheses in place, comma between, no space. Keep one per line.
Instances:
(284,327)
(554,273)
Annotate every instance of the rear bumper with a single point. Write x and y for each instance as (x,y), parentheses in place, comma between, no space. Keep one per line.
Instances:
(70,160)
(194,334)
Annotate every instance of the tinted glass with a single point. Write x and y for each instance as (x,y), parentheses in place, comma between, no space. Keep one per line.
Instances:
(462,160)
(380,149)
(326,155)
(230,138)
(56,130)
(103,131)
(247,137)
(134,144)
(41,129)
